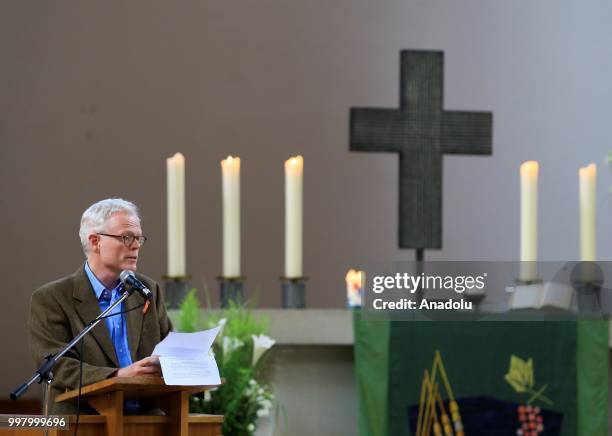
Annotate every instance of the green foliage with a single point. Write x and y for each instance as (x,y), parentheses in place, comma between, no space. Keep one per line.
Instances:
(239,322)
(189,315)
(243,397)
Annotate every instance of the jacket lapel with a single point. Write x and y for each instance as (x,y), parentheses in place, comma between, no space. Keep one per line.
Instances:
(88,309)
(134,322)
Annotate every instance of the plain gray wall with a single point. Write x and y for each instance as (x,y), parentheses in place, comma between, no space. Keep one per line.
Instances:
(95,95)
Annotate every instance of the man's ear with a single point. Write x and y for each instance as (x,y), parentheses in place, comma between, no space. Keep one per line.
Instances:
(94,243)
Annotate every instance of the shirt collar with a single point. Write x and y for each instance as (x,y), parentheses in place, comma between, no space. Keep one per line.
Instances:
(96,284)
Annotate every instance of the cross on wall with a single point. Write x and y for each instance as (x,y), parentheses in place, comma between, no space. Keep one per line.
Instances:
(421,132)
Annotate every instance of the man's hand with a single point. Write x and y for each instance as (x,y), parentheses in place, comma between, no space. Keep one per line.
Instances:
(146,366)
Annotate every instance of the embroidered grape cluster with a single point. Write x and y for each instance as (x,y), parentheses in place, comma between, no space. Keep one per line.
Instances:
(532,423)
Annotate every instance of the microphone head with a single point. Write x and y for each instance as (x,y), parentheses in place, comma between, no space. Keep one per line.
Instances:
(125,275)
(129,280)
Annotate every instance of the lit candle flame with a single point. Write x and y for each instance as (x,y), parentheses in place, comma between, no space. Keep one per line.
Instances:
(354,279)
(354,287)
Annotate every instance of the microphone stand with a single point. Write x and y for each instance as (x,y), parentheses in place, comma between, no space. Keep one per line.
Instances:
(44,373)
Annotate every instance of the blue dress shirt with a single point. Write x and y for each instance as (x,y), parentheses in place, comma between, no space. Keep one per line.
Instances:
(116,325)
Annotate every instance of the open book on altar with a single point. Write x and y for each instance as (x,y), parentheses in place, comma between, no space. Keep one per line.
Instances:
(542,295)
(186,358)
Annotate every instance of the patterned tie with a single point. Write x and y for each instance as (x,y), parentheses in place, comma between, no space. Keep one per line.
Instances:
(106,296)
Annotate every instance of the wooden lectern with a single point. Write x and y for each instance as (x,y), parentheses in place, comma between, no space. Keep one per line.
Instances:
(107,397)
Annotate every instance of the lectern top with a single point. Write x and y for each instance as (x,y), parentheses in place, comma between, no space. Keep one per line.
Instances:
(141,386)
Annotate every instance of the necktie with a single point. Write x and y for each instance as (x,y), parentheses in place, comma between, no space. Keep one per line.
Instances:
(106,296)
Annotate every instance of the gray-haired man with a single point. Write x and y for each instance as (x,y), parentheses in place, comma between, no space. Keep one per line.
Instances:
(111,237)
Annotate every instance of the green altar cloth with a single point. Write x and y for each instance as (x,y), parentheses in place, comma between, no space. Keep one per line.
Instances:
(570,362)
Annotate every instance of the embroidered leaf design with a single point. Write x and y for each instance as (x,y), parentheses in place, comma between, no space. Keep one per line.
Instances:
(520,374)
(520,377)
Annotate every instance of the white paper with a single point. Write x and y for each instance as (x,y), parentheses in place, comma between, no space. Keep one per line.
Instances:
(190,372)
(185,358)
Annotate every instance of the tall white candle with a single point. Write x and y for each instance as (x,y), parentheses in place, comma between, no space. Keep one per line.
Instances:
(175,178)
(294,170)
(230,169)
(587,177)
(529,220)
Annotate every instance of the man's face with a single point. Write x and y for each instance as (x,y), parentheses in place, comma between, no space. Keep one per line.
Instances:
(113,254)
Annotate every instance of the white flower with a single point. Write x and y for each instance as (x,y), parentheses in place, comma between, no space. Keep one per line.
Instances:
(266,405)
(261,344)
(248,391)
(229,345)
(251,427)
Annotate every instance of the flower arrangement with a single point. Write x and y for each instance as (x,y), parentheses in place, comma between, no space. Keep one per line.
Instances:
(240,352)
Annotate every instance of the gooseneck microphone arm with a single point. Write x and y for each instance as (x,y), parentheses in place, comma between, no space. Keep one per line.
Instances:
(43,373)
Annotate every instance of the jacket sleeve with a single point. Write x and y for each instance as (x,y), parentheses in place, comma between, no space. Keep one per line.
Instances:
(49,329)
(165,325)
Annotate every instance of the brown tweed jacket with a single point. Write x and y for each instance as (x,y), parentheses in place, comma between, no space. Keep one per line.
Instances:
(58,312)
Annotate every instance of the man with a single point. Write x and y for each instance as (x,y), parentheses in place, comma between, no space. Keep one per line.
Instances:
(120,345)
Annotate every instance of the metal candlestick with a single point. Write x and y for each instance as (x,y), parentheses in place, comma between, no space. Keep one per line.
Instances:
(588,295)
(587,279)
(176,290)
(231,289)
(293,291)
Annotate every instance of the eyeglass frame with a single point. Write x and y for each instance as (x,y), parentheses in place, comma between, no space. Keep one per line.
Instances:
(141,239)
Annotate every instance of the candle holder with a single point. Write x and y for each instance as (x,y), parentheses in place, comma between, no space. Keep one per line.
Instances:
(588,295)
(293,291)
(231,289)
(587,280)
(176,289)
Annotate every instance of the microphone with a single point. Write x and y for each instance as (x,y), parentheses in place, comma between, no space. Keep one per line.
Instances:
(129,279)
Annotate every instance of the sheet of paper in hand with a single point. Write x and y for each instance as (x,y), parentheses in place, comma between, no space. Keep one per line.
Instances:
(186,360)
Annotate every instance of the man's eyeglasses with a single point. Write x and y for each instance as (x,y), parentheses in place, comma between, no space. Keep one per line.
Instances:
(128,239)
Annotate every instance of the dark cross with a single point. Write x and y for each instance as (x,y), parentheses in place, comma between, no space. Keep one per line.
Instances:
(421,132)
